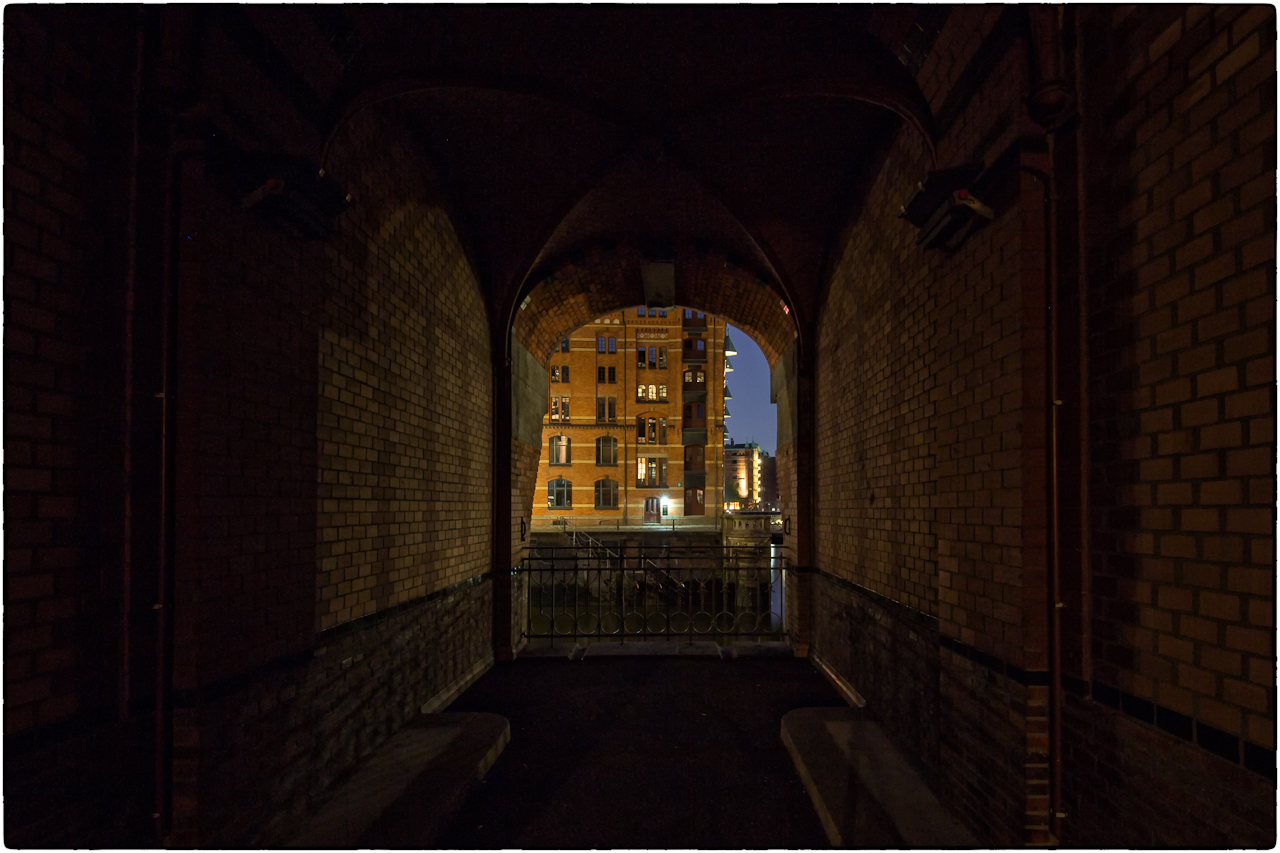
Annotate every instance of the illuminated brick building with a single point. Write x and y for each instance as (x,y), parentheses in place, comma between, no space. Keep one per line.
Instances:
(635,422)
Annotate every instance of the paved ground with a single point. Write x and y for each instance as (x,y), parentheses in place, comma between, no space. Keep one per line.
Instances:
(643,752)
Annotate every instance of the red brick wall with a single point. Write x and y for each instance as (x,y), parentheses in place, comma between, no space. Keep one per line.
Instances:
(1179,151)
(1181,300)
(50,250)
(405,386)
(921,419)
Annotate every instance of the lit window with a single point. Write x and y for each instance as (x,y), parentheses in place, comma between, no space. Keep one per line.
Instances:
(662,358)
(555,373)
(640,393)
(559,453)
(662,393)
(653,392)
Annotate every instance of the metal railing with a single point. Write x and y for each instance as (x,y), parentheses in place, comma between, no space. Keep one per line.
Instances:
(621,592)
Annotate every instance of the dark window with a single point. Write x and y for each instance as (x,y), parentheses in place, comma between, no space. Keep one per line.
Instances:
(640,351)
(559,494)
(699,411)
(662,358)
(653,430)
(606,494)
(639,310)
(613,344)
(613,376)
(606,450)
(601,343)
(606,409)
(640,430)
(600,374)
(564,373)
(661,313)
(653,312)
(564,345)
(653,358)
(688,314)
(700,345)
(559,453)
(662,430)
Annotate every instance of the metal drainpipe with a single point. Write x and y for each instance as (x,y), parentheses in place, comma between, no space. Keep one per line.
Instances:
(1055,553)
(131,282)
(178,159)
(1052,403)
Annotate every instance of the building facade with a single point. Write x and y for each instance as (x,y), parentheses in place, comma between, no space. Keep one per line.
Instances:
(743,475)
(634,428)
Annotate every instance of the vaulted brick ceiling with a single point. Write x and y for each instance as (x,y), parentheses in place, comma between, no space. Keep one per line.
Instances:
(743,128)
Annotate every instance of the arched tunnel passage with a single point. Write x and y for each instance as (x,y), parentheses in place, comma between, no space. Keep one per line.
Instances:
(1039,449)
(603,286)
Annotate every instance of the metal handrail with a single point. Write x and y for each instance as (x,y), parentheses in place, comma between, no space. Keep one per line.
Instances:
(682,591)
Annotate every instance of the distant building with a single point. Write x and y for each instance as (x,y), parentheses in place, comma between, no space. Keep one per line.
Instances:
(634,426)
(743,475)
(769,481)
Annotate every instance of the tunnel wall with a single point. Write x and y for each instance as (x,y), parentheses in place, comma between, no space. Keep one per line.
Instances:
(333,407)
(73,772)
(919,508)
(383,596)
(931,502)
(1173,718)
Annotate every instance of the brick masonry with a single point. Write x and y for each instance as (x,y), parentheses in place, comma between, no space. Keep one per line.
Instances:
(253,759)
(404,434)
(1181,304)
(57,545)
(930,373)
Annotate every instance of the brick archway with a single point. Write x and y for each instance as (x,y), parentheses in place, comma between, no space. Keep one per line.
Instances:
(602,279)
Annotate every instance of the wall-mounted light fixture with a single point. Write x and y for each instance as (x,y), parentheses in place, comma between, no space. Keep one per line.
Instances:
(945,209)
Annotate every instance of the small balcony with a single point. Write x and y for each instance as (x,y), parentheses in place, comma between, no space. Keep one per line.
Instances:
(694,319)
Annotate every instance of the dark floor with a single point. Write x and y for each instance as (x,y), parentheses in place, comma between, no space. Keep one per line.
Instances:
(643,752)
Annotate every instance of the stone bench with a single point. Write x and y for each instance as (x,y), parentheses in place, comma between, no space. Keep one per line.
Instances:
(865,792)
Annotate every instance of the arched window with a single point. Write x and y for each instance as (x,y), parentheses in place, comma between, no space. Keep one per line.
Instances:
(653,392)
(662,393)
(640,392)
(559,494)
(606,450)
(559,450)
(606,494)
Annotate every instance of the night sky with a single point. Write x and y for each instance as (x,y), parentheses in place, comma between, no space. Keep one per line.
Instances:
(754,417)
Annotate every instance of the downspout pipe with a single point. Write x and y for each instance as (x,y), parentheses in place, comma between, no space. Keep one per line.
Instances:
(1050,103)
(175,79)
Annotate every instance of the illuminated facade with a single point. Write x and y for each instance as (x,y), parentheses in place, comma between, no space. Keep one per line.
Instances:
(634,428)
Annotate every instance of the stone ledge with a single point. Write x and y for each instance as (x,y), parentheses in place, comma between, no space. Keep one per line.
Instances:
(406,793)
(863,789)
